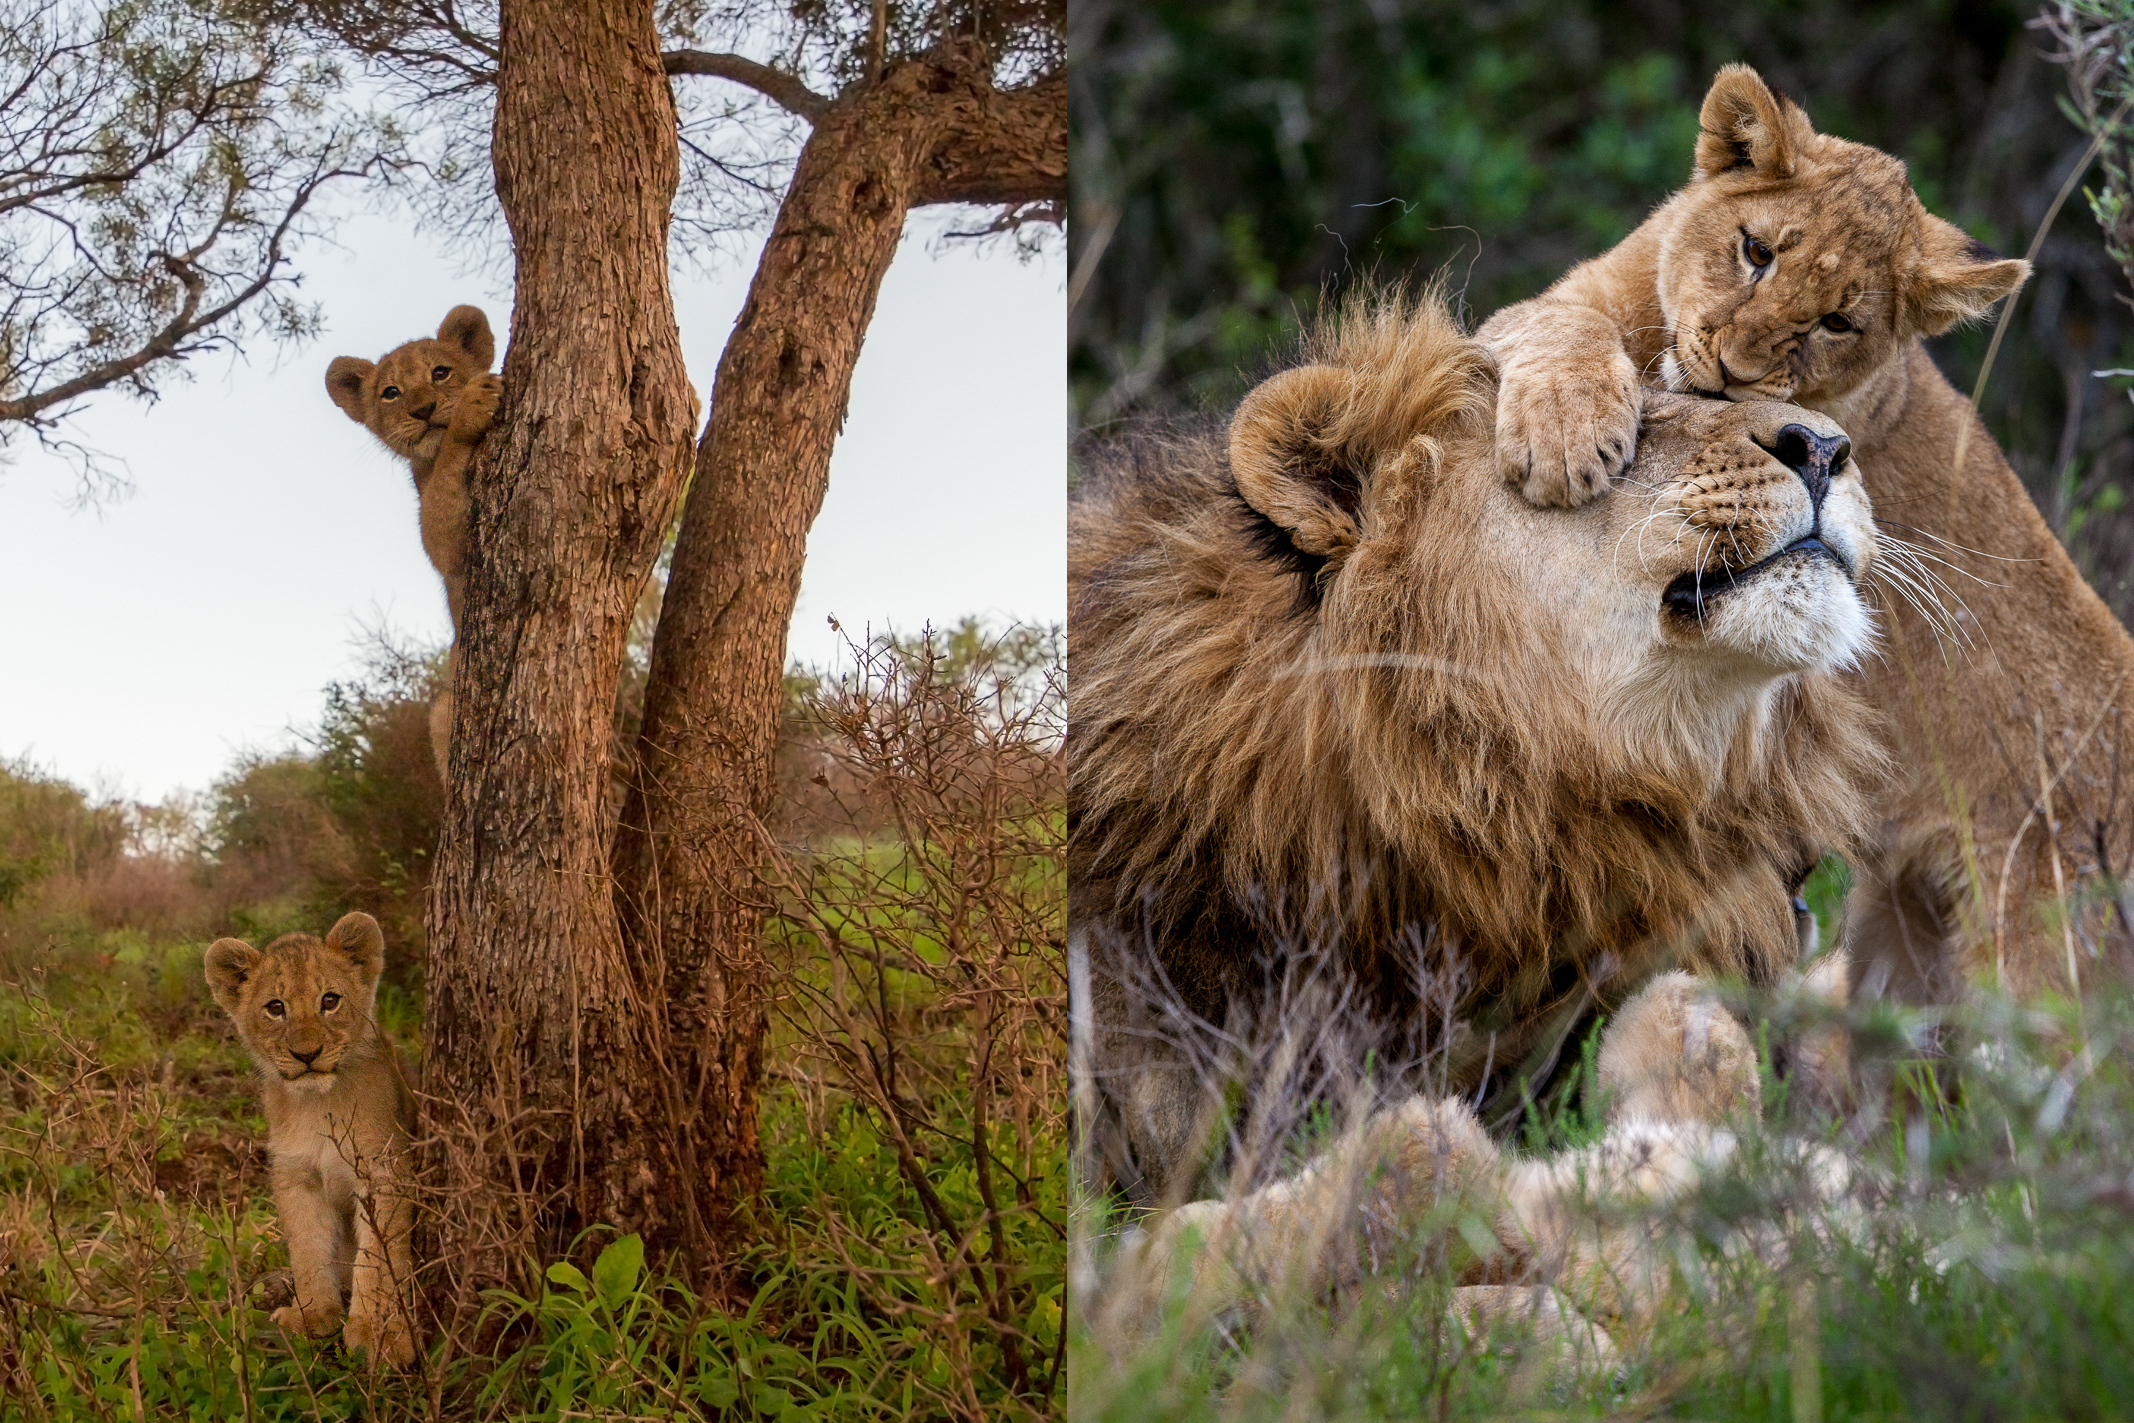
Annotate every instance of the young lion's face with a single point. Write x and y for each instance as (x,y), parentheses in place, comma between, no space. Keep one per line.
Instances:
(300,1004)
(407,399)
(1795,264)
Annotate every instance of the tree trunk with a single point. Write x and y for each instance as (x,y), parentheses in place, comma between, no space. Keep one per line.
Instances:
(531,1053)
(925,130)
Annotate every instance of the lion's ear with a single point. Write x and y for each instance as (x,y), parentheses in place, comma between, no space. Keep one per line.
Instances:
(1745,125)
(229,963)
(1290,465)
(467,328)
(1958,278)
(357,938)
(345,379)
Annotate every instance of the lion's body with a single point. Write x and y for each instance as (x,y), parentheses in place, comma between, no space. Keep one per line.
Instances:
(431,401)
(1962,879)
(339,1118)
(1420,725)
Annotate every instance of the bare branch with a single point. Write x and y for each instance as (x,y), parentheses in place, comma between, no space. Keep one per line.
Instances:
(779,87)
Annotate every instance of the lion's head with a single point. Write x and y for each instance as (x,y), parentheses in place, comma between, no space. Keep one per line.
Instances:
(1795,264)
(302,1008)
(406,399)
(1337,683)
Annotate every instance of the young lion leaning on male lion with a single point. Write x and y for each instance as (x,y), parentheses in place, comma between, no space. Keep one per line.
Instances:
(431,401)
(1796,266)
(339,1117)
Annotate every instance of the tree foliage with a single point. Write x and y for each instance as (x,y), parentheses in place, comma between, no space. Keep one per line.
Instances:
(158,162)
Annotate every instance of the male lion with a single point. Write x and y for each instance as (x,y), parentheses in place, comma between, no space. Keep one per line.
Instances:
(1340,693)
(1797,266)
(431,402)
(339,1115)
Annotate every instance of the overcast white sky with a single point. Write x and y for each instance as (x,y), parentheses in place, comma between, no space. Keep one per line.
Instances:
(146,643)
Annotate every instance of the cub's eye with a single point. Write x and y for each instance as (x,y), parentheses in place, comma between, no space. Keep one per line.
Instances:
(391,392)
(330,1002)
(275,1008)
(440,375)
(1836,321)
(1754,249)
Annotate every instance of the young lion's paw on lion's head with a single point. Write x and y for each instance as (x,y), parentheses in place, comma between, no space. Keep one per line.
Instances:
(1565,432)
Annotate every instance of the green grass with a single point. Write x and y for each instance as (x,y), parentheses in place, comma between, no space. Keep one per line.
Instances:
(1981,1268)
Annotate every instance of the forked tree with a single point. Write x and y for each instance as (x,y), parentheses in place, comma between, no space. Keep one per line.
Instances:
(596,1007)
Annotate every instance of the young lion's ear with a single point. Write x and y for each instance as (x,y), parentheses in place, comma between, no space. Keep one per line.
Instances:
(345,379)
(1958,278)
(358,938)
(1745,125)
(1290,465)
(467,328)
(229,963)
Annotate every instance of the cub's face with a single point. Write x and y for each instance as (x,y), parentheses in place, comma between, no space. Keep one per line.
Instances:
(407,399)
(300,1004)
(1795,265)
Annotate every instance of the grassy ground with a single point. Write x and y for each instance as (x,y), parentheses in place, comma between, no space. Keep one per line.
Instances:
(135,1229)
(1981,1267)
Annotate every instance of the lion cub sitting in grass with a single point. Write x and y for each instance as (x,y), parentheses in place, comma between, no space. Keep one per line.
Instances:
(431,401)
(339,1116)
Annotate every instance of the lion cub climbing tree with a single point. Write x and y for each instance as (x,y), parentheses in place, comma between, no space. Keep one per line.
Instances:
(593,1038)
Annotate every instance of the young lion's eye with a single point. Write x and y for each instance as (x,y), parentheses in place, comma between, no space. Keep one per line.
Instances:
(1754,249)
(330,1002)
(391,392)
(1836,321)
(274,1008)
(440,375)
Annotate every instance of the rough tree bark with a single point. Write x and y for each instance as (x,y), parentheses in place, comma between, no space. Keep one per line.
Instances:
(530,1047)
(926,130)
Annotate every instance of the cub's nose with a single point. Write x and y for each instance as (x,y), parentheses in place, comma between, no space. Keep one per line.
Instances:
(1811,456)
(424,412)
(307,1058)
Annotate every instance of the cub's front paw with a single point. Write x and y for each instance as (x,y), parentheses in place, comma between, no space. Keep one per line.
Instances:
(476,410)
(1564,434)
(313,1323)
(389,1341)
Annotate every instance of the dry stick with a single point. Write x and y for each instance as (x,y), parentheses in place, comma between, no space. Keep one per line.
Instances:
(2000,899)
(2059,879)
(2037,240)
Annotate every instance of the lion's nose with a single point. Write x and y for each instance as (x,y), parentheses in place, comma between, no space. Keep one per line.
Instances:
(1812,457)
(307,1058)
(424,412)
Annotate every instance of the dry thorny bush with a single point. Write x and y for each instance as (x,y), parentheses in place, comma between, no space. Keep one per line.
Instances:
(926,983)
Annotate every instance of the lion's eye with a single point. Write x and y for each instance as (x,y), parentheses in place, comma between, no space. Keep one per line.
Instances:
(274,1008)
(440,375)
(391,392)
(330,1002)
(1754,249)
(1836,321)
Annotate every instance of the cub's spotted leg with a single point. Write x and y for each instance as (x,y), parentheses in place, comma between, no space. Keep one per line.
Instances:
(1568,401)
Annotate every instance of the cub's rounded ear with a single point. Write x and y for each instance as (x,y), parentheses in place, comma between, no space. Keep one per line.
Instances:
(229,962)
(1289,462)
(467,328)
(358,938)
(1958,278)
(345,380)
(1744,125)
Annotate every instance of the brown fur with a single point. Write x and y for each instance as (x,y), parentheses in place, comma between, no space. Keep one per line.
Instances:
(1336,691)
(431,401)
(339,1117)
(2009,690)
